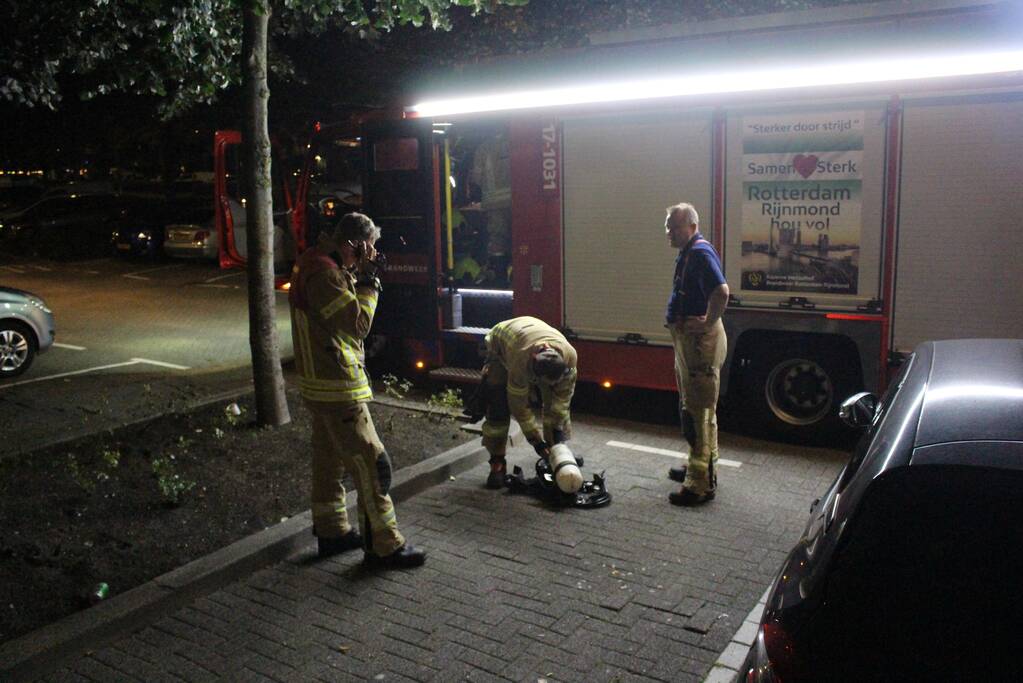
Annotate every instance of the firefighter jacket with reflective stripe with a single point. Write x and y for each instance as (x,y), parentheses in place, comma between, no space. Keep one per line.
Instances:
(330,318)
(513,343)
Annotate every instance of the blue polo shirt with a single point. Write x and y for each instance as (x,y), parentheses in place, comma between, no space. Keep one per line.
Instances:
(697,274)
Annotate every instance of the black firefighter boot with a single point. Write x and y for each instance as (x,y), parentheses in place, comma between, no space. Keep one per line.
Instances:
(498,471)
(689,432)
(405,557)
(689,498)
(335,545)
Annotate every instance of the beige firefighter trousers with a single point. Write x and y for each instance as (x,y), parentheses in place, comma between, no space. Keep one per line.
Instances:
(498,417)
(344,438)
(698,360)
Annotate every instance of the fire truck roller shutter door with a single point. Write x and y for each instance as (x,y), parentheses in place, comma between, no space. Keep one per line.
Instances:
(618,175)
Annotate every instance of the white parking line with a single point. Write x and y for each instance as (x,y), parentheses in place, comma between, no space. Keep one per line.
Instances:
(42,268)
(161,364)
(84,266)
(68,346)
(137,275)
(133,361)
(14,269)
(224,277)
(724,462)
(203,284)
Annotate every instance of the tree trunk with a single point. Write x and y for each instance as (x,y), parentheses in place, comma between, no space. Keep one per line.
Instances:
(271,401)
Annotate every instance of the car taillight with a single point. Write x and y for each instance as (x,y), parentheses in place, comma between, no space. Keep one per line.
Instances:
(781,652)
(200,236)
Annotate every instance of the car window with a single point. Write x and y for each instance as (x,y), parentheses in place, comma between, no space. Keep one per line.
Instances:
(929,558)
(95,202)
(11,197)
(863,445)
(55,208)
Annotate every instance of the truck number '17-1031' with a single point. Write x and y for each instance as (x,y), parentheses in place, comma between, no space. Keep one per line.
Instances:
(550,157)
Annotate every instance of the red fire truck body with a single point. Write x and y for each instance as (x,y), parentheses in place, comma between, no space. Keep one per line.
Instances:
(861,204)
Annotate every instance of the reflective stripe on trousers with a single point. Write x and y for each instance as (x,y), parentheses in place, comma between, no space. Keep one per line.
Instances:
(344,438)
(698,360)
(498,417)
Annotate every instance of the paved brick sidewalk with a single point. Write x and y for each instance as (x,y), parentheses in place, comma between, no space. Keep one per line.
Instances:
(640,590)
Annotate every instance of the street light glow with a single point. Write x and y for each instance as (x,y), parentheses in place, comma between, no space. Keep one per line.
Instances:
(753,80)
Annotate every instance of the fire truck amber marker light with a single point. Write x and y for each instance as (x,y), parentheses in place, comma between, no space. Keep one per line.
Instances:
(778,78)
(420,364)
(606,384)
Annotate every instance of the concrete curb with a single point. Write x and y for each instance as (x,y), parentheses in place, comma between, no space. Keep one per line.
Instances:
(40,652)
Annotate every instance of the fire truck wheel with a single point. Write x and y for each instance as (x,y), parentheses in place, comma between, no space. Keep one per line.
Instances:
(797,391)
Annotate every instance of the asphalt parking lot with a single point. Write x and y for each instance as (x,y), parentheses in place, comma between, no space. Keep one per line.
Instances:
(133,339)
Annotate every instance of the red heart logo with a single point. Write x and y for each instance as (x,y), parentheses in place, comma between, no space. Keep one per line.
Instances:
(805,165)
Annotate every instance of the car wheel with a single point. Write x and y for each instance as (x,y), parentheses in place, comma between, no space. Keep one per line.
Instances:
(796,391)
(18,347)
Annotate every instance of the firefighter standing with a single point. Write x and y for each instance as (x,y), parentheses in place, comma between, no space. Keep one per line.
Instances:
(525,354)
(699,296)
(333,296)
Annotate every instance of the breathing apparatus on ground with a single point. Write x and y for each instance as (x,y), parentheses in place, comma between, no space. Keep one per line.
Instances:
(559,481)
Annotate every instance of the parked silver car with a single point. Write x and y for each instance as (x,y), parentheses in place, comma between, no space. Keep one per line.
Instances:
(191,240)
(26,328)
(201,241)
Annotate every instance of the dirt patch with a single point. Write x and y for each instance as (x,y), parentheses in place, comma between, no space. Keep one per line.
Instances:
(126,507)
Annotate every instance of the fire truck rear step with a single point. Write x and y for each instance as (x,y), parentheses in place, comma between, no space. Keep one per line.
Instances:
(463,375)
(466,331)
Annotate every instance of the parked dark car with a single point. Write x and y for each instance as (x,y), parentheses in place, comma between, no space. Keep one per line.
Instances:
(911,565)
(66,226)
(16,197)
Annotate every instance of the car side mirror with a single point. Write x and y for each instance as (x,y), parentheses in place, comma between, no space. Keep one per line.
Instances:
(858,410)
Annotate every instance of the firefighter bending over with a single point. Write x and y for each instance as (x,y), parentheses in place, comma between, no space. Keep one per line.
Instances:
(525,355)
(334,291)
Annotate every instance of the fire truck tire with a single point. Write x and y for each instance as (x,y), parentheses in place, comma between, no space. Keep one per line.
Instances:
(795,392)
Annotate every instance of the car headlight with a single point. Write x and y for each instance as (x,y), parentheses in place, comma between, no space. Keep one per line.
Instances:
(40,304)
(143,236)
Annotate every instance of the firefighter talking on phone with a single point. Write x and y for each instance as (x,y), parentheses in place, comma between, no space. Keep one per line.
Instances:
(333,297)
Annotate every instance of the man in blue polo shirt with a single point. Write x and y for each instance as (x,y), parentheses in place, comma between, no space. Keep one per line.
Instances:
(699,295)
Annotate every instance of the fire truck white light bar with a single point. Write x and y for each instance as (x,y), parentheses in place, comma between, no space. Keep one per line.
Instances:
(778,78)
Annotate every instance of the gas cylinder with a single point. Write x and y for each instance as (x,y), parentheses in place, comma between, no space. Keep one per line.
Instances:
(566,473)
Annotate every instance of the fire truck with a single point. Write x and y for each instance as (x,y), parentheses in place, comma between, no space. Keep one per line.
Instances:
(857,168)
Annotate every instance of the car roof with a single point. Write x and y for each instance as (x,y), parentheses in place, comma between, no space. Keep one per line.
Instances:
(974,392)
